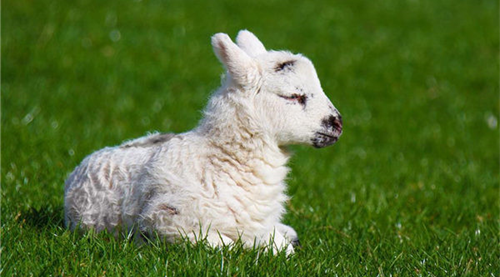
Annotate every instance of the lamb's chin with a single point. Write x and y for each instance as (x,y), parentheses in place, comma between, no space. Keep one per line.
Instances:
(321,140)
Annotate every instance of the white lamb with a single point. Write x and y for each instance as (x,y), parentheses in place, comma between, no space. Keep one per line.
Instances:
(224,180)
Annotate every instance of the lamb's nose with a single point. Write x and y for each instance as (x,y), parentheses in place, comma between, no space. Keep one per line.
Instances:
(333,122)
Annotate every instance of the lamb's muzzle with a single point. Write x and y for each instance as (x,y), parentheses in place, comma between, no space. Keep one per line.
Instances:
(332,129)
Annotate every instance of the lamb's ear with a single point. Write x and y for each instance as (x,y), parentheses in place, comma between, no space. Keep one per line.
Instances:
(247,41)
(240,66)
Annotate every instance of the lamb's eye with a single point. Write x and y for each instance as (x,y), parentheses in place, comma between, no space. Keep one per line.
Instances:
(300,98)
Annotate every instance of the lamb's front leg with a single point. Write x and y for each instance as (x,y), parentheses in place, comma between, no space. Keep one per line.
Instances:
(278,240)
(213,239)
(169,222)
(289,233)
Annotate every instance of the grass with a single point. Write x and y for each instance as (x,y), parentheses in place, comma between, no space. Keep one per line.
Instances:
(411,188)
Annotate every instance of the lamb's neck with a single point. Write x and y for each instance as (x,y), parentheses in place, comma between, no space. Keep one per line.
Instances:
(231,130)
(245,147)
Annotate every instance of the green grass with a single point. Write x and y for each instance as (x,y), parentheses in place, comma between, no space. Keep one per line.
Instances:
(411,188)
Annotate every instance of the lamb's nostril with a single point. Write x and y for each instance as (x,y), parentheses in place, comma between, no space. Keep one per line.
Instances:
(337,124)
(339,121)
(333,122)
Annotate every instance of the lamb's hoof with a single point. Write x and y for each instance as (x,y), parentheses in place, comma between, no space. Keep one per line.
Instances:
(296,243)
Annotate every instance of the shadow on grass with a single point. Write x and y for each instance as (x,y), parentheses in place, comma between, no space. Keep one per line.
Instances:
(43,217)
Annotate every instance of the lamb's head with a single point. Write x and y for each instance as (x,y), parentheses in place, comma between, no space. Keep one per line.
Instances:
(279,91)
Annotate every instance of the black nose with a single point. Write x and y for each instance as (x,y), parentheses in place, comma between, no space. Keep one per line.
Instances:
(333,122)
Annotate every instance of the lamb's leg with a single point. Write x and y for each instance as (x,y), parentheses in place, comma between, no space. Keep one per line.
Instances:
(216,239)
(279,242)
(212,238)
(166,219)
(289,234)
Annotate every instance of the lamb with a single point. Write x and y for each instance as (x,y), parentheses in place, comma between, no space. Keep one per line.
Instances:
(224,180)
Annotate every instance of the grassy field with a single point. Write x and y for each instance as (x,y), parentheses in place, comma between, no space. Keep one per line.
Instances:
(410,189)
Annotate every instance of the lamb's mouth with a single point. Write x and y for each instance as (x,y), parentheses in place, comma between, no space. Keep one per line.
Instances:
(322,139)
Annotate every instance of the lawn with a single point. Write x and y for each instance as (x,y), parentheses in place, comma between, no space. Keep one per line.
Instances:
(410,189)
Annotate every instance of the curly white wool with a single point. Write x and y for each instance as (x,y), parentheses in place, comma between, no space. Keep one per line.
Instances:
(224,180)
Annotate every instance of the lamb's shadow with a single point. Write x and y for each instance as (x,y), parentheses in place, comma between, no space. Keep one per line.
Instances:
(43,217)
